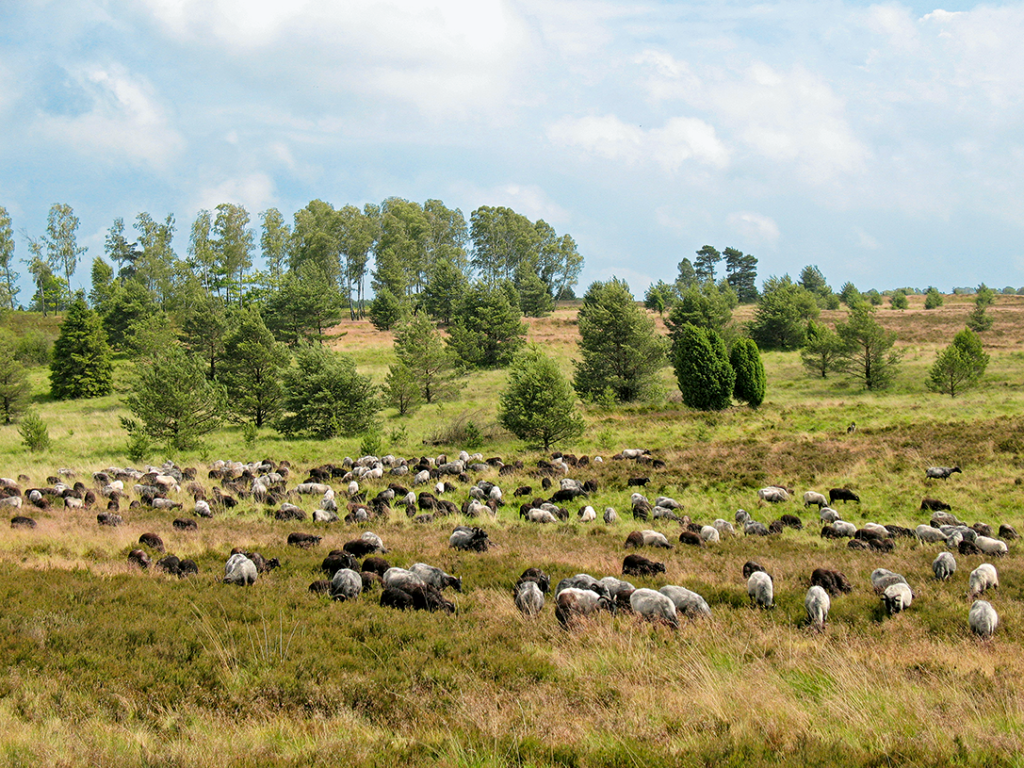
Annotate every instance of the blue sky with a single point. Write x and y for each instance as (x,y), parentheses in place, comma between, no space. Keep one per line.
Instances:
(882,142)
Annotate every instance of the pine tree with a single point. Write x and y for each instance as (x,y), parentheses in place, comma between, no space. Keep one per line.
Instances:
(782,313)
(959,366)
(401,388)
(705,376)
(751,381)
(420,348)
(933,299)
(978,320)
(14,387)
(81,365)
(741,274)
(620,348)
(538,404)
(445,285)
(386,310)
(251,370)
(487,329)
(821,352)
(867,349)
(173,400)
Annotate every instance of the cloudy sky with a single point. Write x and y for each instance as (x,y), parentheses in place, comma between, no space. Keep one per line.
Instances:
(882,142)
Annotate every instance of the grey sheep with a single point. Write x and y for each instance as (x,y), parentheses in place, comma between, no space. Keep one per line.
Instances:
(982,579)
(897,598)
(944,566)
(435,577)
(983,619)
(990,546)
(882,578)
(817,605)
(687,602)
(346,584)
(654,606)
(240,570)
(610,515)
(760,589)
(528,597)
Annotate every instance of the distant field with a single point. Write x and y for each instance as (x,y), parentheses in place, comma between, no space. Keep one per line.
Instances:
(104,664)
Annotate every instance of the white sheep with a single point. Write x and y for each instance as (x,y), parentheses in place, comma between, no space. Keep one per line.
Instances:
(828,515)
(760,589)
(897,597)
(944,566)
(724,527)
(435,577)
(990,546)
(983,578)
(773,494)
(324,516)
(983,619)
(882,578)
(401,578)
(710,534)
(687,602)
(668,502)
(573,602)
(529,599)
(817,605)
(930,535)
(540,516)
(421,477)
(654,605)
(346,584)
(741,516)
(588,514)
(616,586)
(813,497)
(372,538)
(610,515)
(240,570)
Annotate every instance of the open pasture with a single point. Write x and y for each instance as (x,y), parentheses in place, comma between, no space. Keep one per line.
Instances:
(105,664)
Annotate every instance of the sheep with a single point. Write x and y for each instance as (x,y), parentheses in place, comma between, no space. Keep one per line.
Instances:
(944,566)
(840,529)
(897,598)
(940,518)
(773,494)
(813,497)
(346,584)
(587,514)
(240,570)
(469,539)
(139,558)
(983,619)
(647,538)
(539,516)
(930,535)
(572,603)
(760,590)
(724,527)
(22,521)
(303,540)
(881,579)
(982,529)
(1007,531)
(983,578)
(528,598)
(377,565)
(941,473)
(990,546)
(933,505)
(536,574)
(616,587)
(755,528)
(833,582)
(638,565)
(337,560)
(741,516)
(687,602)
(841,494)
(610,515)
(654,606)
(967,548)
(828,515)
(817,605)
(750,567)
(668,502)
(710,534)
(693,539)
(152,541)
(435,577)
(582,581)
(392,597)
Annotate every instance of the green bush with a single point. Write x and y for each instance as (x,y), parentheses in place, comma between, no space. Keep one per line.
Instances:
(706,378)
(34,434)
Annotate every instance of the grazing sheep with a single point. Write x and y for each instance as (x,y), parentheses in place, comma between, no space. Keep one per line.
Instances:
(528,598)
(833,582)
(638,565)
(990,546)
(436,577)
(346,584)
(371,580)
(610,515)
(687,602)
(941,473)
(539,516)
(152,541)
(983,619)
(693,539)
(240,570)
(401,578)
(724,527)
(882,578)
(337,560)
(934,505)
(741,516)
(930,535)
(587,514)
(109,519)
(983,578)
(755,528)
(773,494)
(899,532)
(897,598)
(750,567)
(654,606)
(760,590)
(943,566)
(813,497)
(377,565)
(392,597)
(22,521)
(967,548)
(840,529)
(573,603)
(469,539)
(1007,531)
(616,587)
(139,558)
(537,575)
(582,581)
(303,540)
(941,518)
(841,494)
(320,587)
(710,534)
(828,515)
(647,538)
(982,529)
(817,605)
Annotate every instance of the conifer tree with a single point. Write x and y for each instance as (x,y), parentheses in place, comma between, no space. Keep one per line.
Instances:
(251,370)
(751,381)
(14,387)
(487,329)
(538,404)
(420,348)
(706,378)
(959,366)
(81,365)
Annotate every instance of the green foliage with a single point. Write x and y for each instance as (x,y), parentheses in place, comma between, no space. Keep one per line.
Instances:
(619,345)
(305,308)
(251,370)
(849,295)
(128,303)
(139,446)
(173,400)
(660,296)
(959,366)
(386,310)
(751,381)
(8,277)
(933,299)
(898,300)
(14,386)
(81,364)
(703,305)
(821,351)
(486,330)
(34,434)
(867,352)
(705,376)
(421,350)
(325,397)
(538,404)
(34,348)
(371,443)
(534,297)
(402,388)
(704,265)
(978,320)
(102,284)
(445,285)
(203,327)
(783,311)
(741,274)
(150,335)
(873,297)
(687,275)
(813,280)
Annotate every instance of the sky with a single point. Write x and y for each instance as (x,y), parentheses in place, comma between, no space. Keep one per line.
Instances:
(883,143)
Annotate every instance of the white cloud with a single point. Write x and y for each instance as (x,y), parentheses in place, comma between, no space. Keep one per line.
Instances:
(255,191)
(679,140)
(125,120)
(866,241)
(754,227)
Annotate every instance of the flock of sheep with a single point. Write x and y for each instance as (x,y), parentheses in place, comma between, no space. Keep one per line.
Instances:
(421,585)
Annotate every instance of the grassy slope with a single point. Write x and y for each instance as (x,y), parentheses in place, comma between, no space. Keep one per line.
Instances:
(106,665)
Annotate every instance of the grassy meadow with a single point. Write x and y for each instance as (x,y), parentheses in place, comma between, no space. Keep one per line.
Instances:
(104,664)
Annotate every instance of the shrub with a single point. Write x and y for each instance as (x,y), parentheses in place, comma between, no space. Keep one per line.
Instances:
(706,378)
(538,404)
(81,365)
(751,382)
(959,366)
(34,348)
(34,434)
(933,299)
